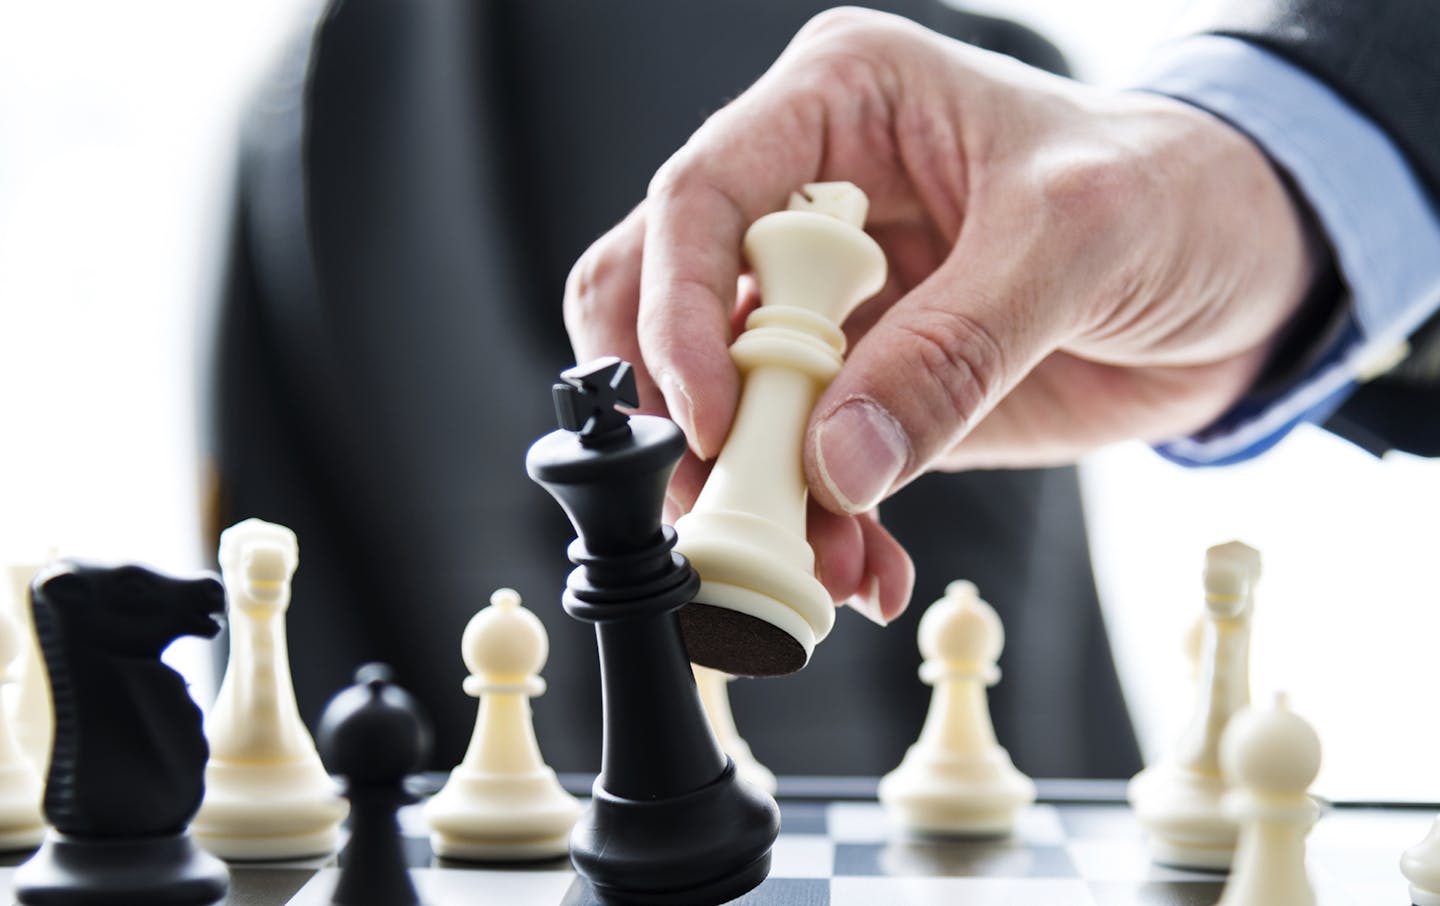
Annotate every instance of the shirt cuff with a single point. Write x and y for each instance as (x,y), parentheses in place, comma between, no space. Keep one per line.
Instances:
(1376,215)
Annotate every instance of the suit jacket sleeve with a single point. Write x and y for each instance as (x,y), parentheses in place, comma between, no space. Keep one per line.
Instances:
(1381,56)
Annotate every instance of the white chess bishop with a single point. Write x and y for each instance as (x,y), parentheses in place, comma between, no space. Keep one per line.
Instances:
(1179,799)
(715,697)
(956,779)
(760,610)
(21,824)
(502,803)
(1270,757)
(267,795)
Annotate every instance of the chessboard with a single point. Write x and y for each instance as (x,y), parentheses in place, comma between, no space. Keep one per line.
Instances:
(1079,846)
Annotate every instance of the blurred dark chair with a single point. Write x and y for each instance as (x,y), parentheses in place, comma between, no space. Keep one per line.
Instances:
(416,178)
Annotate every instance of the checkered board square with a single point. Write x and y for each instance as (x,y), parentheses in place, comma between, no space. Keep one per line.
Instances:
(848,854)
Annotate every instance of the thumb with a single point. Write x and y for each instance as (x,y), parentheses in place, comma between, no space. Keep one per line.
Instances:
(917,382)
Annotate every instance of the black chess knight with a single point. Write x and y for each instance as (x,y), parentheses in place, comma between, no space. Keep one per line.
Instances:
(670,821)
(128,769)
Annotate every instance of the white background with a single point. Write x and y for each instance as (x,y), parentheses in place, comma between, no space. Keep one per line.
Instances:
(117,124)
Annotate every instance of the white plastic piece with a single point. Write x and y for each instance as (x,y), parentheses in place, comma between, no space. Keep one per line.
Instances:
(21,824)
(503,803)
(1421,867)
(715,696)
(267,795)
(1270,758)
(34,717)
(956,779)
(746,533)
(1179,799)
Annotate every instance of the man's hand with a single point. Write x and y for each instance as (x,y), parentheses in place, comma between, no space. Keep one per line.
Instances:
(1069,266)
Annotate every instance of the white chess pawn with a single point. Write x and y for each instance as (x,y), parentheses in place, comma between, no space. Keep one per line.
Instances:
(1270,757)
(745,535)
(21,824)
(503,803)
(267,795)
(1178,799)
(716,698)
(34,720)
(1421,867)
(956,779)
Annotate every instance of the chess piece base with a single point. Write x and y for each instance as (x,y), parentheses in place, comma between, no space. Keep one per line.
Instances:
(702,849)
(1420,897)
(1181,811)
(156,871)
(964,797)
(269,811)
(757,613)
(501,818)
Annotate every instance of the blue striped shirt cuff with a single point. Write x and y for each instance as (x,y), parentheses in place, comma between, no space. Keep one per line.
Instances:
(1381,225)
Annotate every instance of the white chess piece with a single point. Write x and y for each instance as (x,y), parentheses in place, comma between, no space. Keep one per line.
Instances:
(503,802)
(716,698)
(1270,757)
(34,719)
(956,778)
(745,535)
(1421,867)
(267,795)
(21,824)
(1178,799)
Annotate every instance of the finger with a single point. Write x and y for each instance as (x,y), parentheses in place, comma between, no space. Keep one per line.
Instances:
(930,368)
(602,302)
(839,546)
(740,165)
(889,579)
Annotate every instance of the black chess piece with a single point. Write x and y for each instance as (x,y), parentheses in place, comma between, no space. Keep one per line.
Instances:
(373,735)
(670,822)
(127,771)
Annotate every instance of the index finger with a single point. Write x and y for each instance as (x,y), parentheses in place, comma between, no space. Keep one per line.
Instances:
(742,164)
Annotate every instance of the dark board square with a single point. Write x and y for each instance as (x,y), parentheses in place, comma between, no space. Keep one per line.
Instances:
(773,892)
(265,886)
(953,859)
(788,892)
(1157,893)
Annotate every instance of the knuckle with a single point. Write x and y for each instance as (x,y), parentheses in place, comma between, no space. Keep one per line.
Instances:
(585,287)
(1092,188)
(959,357)
(837,22)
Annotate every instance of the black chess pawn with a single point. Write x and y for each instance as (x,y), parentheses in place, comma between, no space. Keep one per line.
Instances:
(372,734)
(670,822)
(128,767)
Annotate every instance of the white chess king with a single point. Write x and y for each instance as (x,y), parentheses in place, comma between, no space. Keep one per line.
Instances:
(956,779)
(267,796)
(760,610)
(503,803)
(1178,799)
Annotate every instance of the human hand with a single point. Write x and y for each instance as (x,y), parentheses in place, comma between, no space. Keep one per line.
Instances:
(1069,266)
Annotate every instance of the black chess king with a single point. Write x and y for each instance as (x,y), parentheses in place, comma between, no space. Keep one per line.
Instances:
(670,822)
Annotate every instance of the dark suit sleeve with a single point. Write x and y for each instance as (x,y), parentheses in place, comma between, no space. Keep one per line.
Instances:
(1383,57)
